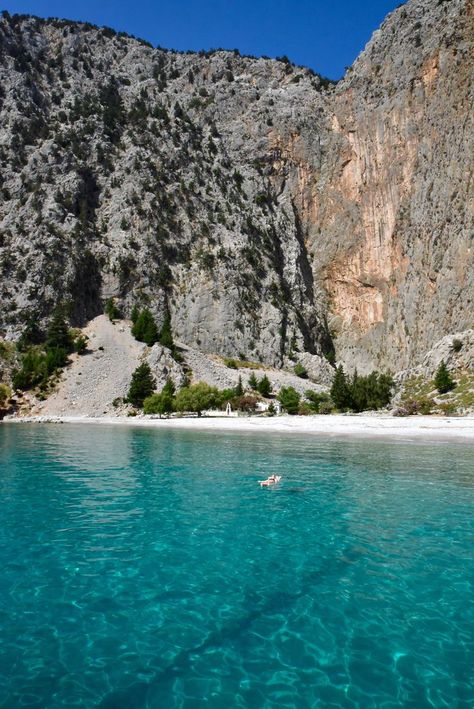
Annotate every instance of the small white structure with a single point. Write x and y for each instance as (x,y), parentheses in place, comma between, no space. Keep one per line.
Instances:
(263,406)
(228,409)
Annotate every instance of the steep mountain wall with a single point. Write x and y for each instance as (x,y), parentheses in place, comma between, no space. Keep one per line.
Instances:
(146,175)
(266,210)
(403,218)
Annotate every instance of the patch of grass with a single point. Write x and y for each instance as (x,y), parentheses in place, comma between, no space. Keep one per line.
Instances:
(243,364)
(416,387)
(463,394)
(458,399)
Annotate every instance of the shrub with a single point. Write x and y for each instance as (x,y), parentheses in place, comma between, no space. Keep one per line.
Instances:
(33,370)
(326,407)
(141,386)
(7,350)
(56,357)
(443,379)
(231,363)
(330,357)
(371,392)
(31,335)
(448,408)
(246,402)
(422,405)
(111,310)
(289,399)
(5,394)
(261,199)
(410,407)
(80,344)
(300,371)
(456,345)
(316,399)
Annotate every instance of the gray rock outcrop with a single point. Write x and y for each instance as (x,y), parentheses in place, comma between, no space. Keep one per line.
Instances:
(272,214)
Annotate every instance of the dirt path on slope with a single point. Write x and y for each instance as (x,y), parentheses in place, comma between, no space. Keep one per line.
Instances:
(93,380)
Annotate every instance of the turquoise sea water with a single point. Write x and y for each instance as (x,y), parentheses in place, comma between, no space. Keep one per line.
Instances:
(144,568)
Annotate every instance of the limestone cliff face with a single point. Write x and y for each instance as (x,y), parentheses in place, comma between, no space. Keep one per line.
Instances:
(402,273)
(150,176)
(270,213)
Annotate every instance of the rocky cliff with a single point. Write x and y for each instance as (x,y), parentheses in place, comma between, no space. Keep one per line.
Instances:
(273,215)
(400,273)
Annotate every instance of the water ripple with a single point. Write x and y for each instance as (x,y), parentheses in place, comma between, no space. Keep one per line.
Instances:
(147,569)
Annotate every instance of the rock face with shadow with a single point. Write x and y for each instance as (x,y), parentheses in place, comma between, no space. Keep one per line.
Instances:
(275,216)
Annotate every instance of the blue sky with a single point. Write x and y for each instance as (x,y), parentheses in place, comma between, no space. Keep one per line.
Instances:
(326,36)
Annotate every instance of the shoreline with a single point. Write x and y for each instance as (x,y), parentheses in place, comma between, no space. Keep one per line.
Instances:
(379,426)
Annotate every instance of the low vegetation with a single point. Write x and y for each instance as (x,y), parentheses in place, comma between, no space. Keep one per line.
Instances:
(300,371)
(361,393)
(357,393)
(190,398)
(111,310)
(289,400)
(5,395)
(43,356)
(233,363)
(441,395)
(162,403)
(319,403)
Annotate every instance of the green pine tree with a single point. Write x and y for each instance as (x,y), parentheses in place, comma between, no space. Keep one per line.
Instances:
(253,383)
(340,391)
(264,386)
(358,392)
(289,399)
(31,334)
(443,379)
(144,329)
(239,389)
(58,336)
(166,335)
(169,388)
(141,386)
(111,310)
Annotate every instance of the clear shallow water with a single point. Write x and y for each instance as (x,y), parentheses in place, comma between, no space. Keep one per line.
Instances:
(145,568)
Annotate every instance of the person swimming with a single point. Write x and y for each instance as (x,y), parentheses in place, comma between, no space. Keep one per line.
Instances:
(271,480)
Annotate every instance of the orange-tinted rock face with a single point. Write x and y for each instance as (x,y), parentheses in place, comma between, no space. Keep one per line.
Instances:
(376,179)
(395,229)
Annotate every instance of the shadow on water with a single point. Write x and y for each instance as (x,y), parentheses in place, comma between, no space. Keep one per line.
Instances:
(137,694)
